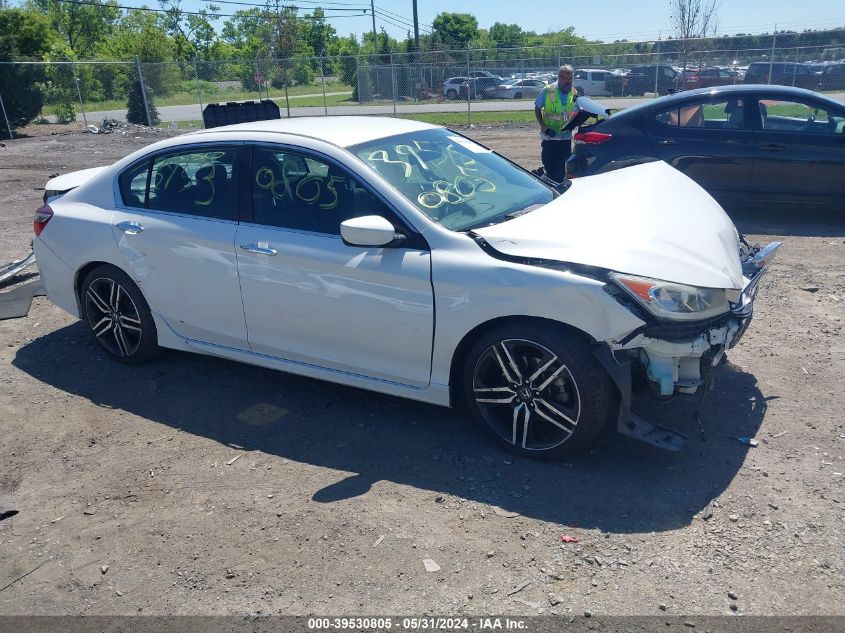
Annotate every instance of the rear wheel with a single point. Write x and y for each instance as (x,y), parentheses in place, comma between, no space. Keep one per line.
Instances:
(118,315)
(540,393)
(518,95)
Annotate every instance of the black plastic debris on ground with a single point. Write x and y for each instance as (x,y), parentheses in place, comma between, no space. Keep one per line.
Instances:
(6,511)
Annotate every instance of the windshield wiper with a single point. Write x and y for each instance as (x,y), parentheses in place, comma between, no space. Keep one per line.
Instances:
(519,212)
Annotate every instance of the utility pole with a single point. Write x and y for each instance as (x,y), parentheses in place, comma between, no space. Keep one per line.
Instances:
(416,27)
(373,12)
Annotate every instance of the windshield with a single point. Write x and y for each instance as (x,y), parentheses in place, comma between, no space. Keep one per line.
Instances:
(451,179)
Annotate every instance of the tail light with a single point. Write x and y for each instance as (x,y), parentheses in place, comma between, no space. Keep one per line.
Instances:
(42,216)
(591,138)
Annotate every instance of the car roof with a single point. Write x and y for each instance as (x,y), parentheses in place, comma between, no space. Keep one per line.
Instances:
(338,130)
(736,89)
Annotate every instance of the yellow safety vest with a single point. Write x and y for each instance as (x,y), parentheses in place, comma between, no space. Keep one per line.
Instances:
(556,112)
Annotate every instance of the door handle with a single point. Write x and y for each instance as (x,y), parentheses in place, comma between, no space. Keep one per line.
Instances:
(666,141)
(258,250)
(130,228)
(772,147)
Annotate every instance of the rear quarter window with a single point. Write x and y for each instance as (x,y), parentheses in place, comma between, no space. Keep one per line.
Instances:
(133,185)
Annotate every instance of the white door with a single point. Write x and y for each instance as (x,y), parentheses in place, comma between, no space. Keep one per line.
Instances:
(597,86)
(310,298)
(178,241)
(580,80)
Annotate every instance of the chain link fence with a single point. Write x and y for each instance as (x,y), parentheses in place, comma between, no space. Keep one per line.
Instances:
(471,81)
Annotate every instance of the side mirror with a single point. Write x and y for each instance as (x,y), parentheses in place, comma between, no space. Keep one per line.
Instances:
(369,230)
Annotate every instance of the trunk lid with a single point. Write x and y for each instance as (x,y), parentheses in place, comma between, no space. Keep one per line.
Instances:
(64,183)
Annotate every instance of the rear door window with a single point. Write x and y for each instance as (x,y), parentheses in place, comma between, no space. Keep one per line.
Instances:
(725,114)
(196,182)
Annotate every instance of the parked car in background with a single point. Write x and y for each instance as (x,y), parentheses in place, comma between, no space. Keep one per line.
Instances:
(642,79)
(456,88)
(330,248)
(483,87)
(690,79)
(591,82)
(478,74)
(782,74)
(768,144)
(832,77)
(520,89)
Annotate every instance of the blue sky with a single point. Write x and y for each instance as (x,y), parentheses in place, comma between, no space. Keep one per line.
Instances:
(607,20)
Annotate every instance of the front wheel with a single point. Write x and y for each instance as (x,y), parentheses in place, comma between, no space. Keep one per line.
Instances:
(118,315)
(451,95)
(540,392)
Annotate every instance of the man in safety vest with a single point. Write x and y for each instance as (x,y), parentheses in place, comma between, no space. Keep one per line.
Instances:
(553,109)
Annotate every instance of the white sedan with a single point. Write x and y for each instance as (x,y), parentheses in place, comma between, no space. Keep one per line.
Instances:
(404,258)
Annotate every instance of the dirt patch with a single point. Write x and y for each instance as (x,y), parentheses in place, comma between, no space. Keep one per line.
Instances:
(338,495)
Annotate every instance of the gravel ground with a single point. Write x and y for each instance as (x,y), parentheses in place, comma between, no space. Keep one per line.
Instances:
(193,485)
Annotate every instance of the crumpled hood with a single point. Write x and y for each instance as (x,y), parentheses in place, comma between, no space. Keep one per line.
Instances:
(647,220)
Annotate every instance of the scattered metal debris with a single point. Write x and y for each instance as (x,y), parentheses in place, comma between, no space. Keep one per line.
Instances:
(233,460)
(748,441)
(378,541)
(107,127)
(565,538)
(14,267)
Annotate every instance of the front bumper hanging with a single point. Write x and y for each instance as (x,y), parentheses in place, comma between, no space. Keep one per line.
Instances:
(679,357)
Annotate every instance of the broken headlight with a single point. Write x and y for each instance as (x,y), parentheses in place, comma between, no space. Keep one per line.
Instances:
(670,300)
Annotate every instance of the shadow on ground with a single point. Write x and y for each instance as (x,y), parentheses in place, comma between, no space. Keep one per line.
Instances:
(620,486)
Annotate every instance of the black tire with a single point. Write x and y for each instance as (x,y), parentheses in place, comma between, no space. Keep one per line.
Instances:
(518,95)
(558,388)
(451,95)
(118,315)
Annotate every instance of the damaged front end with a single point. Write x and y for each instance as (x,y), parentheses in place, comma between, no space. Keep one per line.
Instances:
(677,356)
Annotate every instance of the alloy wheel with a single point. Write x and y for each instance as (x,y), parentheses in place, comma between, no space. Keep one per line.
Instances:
(526,394)
(113,316)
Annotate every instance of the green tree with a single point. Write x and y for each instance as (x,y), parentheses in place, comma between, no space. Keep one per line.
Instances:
(24,34)
(81,26)
(138,35)
(192,32)
(136,111)
(506,35)
(60,89)
(454,30)
(317,32)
